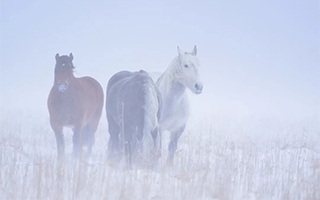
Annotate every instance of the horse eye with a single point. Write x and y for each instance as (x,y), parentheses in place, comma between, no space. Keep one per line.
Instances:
(186,66)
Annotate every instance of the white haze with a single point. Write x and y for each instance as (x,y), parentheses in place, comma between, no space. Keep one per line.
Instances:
(255,125)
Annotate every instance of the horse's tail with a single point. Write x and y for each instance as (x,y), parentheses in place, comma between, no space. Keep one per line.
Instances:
(151,137)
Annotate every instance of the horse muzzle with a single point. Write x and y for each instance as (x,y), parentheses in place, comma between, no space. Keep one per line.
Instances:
(62,87)
(198,88)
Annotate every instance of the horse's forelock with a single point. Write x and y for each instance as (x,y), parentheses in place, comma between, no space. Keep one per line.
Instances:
(192,58)
(65,60)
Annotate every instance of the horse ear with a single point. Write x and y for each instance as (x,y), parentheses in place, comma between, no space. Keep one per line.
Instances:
(71,57)
(57,57)
(194,51)
(179,51)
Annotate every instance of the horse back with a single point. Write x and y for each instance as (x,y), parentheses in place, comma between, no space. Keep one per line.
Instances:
(116,78)
(128,92)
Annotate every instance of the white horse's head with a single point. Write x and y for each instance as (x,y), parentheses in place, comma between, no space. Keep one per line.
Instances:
(188,70)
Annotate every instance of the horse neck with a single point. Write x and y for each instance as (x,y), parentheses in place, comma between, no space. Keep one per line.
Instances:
(168,82)
(72,78)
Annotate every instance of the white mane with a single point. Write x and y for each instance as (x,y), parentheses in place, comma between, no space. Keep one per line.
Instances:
(168,76)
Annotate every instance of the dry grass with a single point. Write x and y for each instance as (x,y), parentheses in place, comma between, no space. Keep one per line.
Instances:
(213,161)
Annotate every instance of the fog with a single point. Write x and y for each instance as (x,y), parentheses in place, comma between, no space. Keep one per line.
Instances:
(255,57)
(260,60)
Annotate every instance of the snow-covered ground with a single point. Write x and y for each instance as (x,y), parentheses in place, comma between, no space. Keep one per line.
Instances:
(217,158)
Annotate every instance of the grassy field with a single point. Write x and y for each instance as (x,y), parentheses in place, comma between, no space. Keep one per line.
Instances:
(217,159)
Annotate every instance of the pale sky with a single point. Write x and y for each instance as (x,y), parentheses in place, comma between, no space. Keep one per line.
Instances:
(257,57)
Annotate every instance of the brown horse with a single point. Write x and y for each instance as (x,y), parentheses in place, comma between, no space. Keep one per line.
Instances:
(76,103)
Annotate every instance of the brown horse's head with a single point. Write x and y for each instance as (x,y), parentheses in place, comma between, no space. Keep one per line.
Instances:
(63,72)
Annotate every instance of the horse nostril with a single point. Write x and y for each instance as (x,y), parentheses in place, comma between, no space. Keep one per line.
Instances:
(198,87)
(62,87)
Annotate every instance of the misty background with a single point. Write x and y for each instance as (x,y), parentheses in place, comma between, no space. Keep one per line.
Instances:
(258,58)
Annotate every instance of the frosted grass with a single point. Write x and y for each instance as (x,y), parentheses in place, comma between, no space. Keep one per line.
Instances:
(217,159)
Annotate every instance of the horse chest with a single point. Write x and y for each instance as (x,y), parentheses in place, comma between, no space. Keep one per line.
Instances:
(65,108)
(176,101)
(175,112)
(64,103)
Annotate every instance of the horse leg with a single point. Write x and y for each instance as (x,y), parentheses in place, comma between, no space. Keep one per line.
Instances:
(128,154)
(60,141)
(58,130)
(90,130)
(88,136)
(129,146)
(174,138)
(113,147)
(77,141)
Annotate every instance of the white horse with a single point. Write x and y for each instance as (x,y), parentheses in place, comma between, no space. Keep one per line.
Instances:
(182,73)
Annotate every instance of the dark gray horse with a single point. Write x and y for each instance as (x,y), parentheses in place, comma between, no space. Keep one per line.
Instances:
(133,107)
